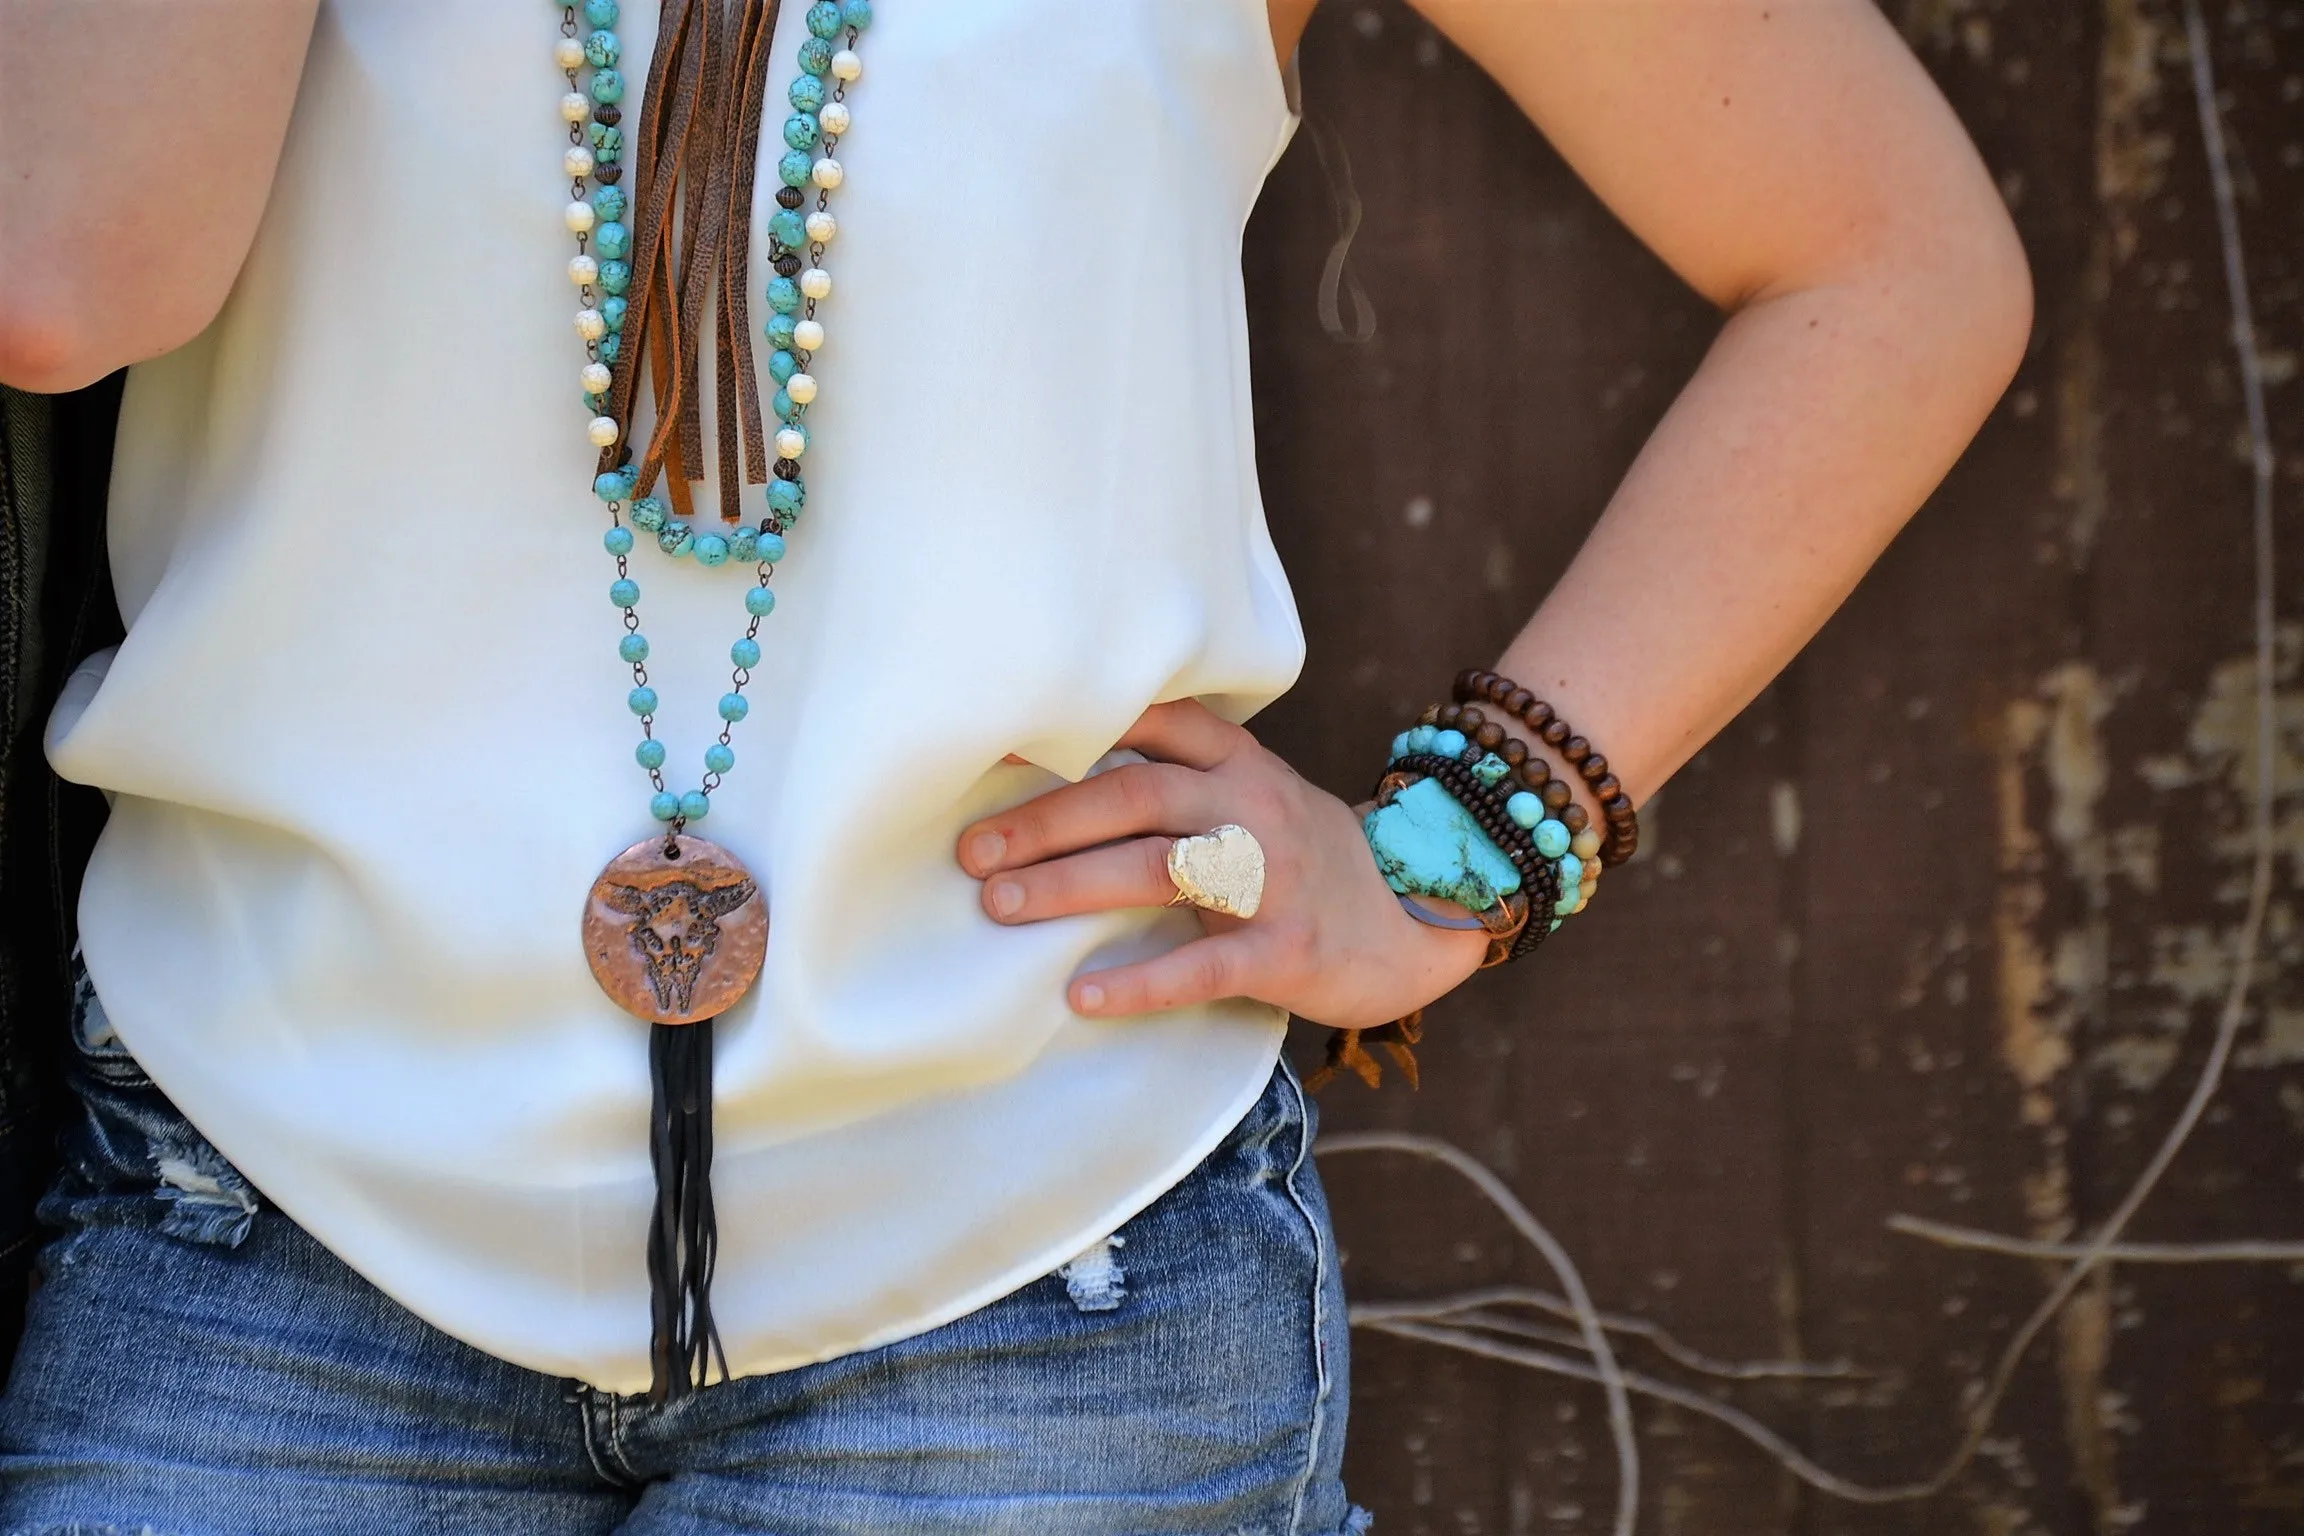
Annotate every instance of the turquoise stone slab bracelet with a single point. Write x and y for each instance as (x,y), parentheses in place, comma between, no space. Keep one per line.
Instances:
(1426,844)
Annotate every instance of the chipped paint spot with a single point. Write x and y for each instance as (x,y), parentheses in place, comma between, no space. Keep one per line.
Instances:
(2050,979)
(2035,1032)
(1784,817)
(1937,959)
(2131,157)
(2076,767)
(2215,779)
(2137,1062)
(2222,739)
(2080,479)
(2282,1043)
(2134,852)
(2084,1340)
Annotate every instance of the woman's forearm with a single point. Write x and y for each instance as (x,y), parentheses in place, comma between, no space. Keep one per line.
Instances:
(1794,164)
(1819,421)
(137,144)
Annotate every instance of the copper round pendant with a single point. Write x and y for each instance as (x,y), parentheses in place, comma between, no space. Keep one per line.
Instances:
(676,929)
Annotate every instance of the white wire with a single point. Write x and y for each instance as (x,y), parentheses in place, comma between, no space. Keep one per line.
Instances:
(2239,1251)
(1606,1371)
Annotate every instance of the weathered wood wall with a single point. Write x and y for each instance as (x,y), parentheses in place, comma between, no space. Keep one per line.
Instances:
(1939,926)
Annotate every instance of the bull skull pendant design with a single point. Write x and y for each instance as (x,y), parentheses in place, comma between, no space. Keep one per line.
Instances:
(676,929)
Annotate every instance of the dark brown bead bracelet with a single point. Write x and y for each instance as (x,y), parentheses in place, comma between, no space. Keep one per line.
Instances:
(1622,837)
(1529,771)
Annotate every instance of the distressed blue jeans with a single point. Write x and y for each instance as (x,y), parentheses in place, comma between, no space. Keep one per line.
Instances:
(196,1365)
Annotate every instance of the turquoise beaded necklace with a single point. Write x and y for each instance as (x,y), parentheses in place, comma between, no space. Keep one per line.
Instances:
(676,928)
(811,134)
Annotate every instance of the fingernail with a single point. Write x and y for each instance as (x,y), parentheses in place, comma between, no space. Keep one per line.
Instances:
(1091,996)
(1007,896)
(985,849)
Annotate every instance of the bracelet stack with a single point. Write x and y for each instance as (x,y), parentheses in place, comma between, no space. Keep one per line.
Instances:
(1468,812)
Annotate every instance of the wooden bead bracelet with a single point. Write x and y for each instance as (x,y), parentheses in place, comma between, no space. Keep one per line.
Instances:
(1623,826)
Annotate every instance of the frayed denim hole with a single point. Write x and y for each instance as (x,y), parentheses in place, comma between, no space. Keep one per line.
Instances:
(1095,1279)
(208,1200)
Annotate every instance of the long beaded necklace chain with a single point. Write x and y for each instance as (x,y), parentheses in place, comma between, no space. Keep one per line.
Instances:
(829,64)
(676,928)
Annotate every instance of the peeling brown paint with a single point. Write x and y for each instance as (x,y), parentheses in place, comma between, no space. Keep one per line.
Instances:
(2035,1031)
(2131,155)
(2052,986)
(2083,1349)
(2056,855)
(2191,962)
(2079,384)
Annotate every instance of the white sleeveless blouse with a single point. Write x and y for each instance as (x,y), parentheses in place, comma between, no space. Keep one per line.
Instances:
(368,743)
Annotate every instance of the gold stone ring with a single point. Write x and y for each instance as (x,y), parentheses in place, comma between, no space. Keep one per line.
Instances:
(1221,870)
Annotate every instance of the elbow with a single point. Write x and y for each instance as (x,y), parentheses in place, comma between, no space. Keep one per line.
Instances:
(51,348)
(49,338)
(45,353)
(1964,266)
(1956,295)
(1994,299)
(59,334)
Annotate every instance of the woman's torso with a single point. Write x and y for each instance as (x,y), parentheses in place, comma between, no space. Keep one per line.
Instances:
(368,735)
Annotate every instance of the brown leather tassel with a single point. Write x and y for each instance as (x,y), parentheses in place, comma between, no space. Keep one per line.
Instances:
(1348,1052)
(695,151)
(666,112)
(743,441)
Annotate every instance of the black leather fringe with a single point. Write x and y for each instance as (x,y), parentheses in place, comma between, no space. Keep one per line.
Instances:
(683,1236)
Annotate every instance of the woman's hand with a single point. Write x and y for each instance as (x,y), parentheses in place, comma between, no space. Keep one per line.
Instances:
(1330,942)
